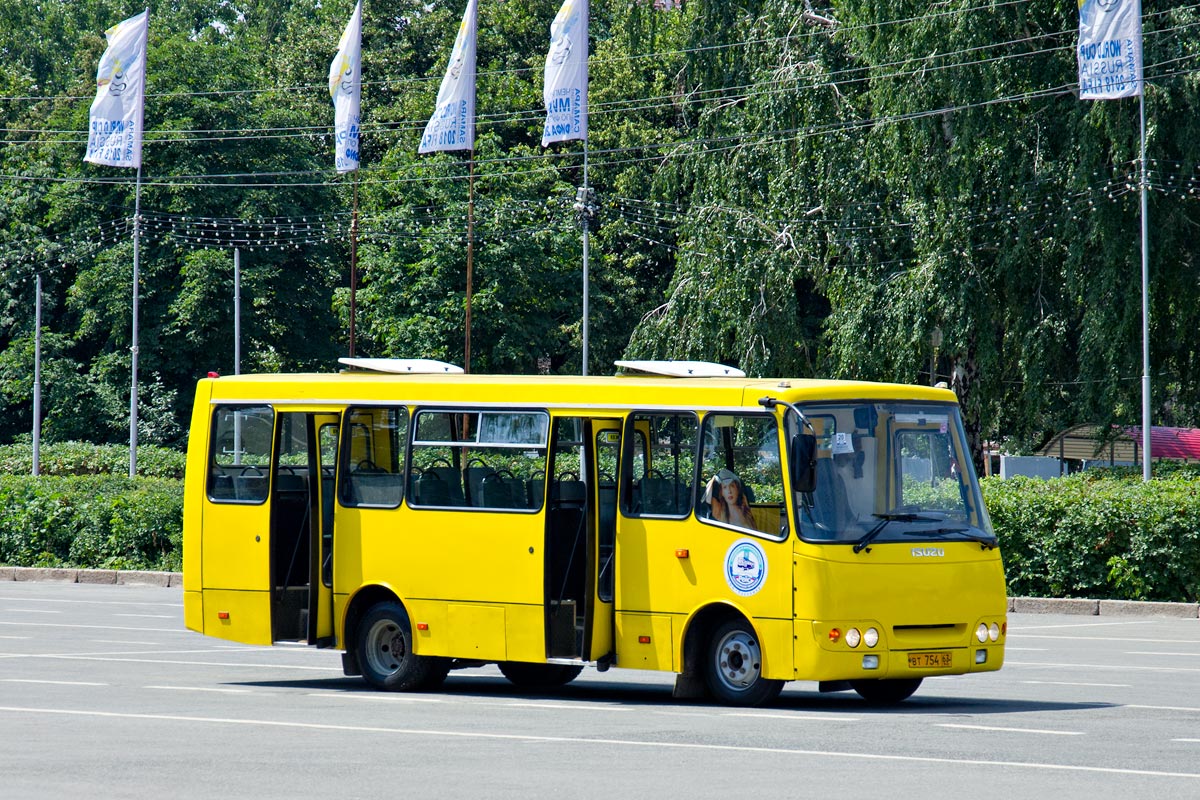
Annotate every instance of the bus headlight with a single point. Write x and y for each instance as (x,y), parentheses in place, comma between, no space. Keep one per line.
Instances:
(853,637)
(981,633)
(871,637)
(994,632)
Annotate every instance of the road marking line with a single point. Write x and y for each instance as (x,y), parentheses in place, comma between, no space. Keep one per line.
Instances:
(29,611)
(23,638)
(1126,639)
(144,616)
(579,740)
(374,697)
(122,641)
(1121,667)
(1163,708)
(199,689)
(97,627)
(1186,740)
(55,683)
(1079,625)
(1008,730)
(24,599)
(175,662)
(1011,649)
(1151,653)
(1071,683)
(791,717)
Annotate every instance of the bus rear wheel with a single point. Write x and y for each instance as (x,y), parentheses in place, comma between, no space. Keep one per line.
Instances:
(539,676)
(385,652)
(886,690)
(733,667)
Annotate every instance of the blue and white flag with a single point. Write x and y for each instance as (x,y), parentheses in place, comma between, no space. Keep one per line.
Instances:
(1110,49)
(116,118)
(345,90)
(452,126)
(566,80)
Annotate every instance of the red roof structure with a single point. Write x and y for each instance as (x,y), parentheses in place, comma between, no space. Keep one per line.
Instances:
(1087,443)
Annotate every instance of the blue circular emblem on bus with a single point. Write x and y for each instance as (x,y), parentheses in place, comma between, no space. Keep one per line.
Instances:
(745,567)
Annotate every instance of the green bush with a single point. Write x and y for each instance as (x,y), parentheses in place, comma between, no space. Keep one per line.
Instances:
(1106,536)
(92,521)
(83,458)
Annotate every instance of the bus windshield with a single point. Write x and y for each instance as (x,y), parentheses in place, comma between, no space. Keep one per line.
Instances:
(890,472)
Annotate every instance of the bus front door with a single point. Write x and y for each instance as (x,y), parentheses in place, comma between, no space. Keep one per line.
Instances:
(302,527)
(599,618)
(580,528)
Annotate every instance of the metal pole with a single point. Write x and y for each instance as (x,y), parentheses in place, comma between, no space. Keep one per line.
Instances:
(1147,455)
(37,379)
(470,256)
(237,311)
(133,351)
(354,265)
(586,225)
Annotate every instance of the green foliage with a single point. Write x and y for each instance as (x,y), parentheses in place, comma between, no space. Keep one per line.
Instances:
(91,522)
(83,458)
(1099,537)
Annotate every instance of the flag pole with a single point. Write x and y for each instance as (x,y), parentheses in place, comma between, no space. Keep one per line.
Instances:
(587,210)
(1146,453)
(37,379)
(470,254)
(354,264)
(133,351)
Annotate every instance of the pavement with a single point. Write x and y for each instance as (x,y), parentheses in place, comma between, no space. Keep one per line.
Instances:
(1017,605)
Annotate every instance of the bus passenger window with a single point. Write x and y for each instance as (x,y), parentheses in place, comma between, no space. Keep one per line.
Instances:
(240,461)
(372,472)
(741,472)
(479,459)
(662,465)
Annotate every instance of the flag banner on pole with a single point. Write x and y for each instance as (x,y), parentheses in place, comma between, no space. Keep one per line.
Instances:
(1110,49)
(566,81)
(452,126)
(115,122)
(345,90)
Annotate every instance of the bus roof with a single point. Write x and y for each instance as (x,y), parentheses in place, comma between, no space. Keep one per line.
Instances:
(628,391)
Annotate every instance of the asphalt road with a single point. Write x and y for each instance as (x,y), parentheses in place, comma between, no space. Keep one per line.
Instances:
(103,693)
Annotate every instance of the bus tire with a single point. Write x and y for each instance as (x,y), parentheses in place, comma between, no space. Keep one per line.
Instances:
(385,652)
(885,691)
(733,666)
(539,676)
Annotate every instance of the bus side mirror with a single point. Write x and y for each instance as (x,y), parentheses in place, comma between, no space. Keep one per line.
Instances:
(803,464)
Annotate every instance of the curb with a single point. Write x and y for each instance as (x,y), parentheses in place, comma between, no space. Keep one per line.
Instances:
(1102,608)
(92,576)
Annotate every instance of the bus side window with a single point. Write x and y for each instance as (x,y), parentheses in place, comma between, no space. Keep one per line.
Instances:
(240,459)
(661,472)
(372,470)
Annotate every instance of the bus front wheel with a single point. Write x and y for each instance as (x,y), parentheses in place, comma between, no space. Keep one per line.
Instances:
(733,667)
(886,690)
(385,652)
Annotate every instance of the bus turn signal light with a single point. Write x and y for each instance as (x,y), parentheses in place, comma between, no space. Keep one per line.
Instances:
(422,626)
(643,640)
(834,635)
(222,615)
(681,552)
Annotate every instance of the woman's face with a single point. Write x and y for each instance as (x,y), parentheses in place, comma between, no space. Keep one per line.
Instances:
(729,491)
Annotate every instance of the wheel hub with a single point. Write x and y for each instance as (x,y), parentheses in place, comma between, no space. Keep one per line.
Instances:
(739,660)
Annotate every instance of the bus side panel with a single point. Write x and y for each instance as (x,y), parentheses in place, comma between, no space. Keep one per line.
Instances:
(238,616)
(644,641)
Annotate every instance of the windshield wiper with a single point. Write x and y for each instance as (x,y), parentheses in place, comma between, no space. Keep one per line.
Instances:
(884,519)
(990,542)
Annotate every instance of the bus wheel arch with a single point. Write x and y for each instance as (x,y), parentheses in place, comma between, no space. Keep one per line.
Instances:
(722,647)
(383,647)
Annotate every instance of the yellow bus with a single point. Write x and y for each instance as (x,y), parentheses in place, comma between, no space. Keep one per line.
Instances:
(681,517)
